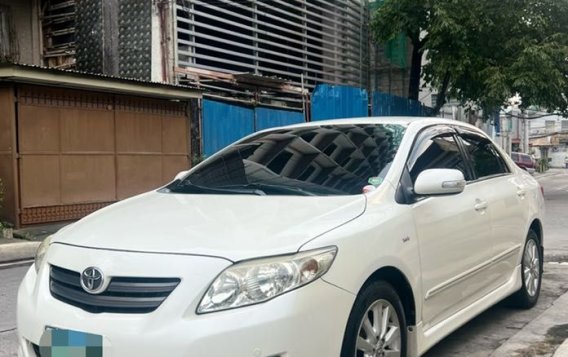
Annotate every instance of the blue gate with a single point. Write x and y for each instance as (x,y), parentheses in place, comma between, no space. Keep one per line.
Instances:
(389,105)
(272,117)
(333,102)
(224,123)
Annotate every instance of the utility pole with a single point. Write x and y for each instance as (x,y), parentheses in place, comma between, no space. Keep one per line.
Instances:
(506,133)
(527,126)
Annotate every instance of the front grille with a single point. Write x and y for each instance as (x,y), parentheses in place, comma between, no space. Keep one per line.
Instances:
(124,295)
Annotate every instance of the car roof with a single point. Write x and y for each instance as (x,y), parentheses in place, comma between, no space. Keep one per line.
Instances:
(407,121)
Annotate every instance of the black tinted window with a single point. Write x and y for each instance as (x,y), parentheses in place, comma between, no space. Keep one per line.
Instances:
(322,160)
(438,152)
(485,159)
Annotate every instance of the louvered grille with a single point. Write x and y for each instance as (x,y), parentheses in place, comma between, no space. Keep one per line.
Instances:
(125,295)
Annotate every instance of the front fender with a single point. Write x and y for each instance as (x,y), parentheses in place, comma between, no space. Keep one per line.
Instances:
(383,236)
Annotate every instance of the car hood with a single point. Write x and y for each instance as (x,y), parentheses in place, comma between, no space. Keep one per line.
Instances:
(234,227)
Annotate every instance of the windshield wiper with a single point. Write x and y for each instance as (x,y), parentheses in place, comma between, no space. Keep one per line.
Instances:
(188,187)
(281,189)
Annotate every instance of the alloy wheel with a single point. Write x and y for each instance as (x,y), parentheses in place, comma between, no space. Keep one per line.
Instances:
(531,267)
(379,332)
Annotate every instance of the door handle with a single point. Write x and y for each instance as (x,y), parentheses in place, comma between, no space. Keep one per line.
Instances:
(521,192)
(480,206)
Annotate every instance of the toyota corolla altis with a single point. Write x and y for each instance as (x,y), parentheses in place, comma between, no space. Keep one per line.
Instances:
(361,237)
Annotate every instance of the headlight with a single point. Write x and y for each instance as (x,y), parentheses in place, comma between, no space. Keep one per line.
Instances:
(40,253)
(260,280)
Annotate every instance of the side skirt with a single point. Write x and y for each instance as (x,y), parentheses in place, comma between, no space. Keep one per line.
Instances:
(425,339)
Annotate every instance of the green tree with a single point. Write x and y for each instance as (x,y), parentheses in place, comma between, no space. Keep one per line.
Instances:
(483,51)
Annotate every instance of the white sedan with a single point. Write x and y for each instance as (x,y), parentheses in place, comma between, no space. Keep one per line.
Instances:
(362,237)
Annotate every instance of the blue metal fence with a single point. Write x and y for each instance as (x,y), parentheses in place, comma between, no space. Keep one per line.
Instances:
(390,105)
(225,123)
(271,117)
(332,102)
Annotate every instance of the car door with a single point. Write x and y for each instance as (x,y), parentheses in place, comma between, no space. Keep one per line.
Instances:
(453,231)
(507,203)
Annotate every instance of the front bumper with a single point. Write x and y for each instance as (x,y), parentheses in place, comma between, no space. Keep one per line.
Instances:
(309,321)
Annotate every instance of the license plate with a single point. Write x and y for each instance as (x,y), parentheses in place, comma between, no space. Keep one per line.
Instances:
(69,343)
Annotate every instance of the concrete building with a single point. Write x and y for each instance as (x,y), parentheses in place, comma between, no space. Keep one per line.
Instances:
(304,42)
(20,31)
(549,136)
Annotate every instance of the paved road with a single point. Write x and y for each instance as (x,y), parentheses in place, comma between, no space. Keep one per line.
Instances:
(555,184)
(478,338)
(9,281)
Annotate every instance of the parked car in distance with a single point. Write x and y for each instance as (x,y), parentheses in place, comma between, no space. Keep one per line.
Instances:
(352,238)
(524,161)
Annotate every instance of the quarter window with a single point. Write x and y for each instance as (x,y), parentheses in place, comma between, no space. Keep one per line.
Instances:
(486,160)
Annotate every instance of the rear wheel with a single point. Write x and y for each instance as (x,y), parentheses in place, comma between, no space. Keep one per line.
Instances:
(377,325)
(531,273)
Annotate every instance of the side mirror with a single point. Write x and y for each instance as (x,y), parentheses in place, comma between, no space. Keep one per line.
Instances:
(439,182)
(181,175)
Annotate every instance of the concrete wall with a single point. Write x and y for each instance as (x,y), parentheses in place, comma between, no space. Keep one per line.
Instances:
(26,21)
(557,155)
(163,42)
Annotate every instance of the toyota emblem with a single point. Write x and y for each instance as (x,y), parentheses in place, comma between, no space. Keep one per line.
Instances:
(92,280)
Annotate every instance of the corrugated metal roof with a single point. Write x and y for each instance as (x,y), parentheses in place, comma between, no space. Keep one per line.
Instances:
(25,73)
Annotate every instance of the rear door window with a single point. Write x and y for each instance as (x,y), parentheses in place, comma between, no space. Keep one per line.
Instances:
(485,159)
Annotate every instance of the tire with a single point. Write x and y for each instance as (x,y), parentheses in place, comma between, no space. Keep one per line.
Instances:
(376,299)
(531,274)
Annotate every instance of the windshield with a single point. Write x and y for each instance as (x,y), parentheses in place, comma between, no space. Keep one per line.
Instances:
(306,161)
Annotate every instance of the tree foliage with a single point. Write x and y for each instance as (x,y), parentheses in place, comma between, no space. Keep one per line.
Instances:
(484,51)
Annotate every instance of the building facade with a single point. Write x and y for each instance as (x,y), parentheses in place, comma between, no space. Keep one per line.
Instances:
(305,42)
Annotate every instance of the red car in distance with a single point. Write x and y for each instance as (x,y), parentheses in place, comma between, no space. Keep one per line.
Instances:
(524,161)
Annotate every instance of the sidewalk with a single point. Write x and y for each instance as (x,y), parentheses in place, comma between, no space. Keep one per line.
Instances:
(25,242)
(542,335)
(550,172)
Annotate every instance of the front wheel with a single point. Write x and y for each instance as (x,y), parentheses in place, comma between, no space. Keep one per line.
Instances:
(377,325)
(531,273)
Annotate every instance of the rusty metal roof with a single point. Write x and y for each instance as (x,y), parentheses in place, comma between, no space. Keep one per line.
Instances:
(24,73)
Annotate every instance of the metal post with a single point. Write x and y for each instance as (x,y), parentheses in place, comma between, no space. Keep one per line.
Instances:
(303,98)
(526,125)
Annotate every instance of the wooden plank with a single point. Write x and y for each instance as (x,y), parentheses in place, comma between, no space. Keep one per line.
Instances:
(8,152)
(87,131)
(136,133)
(40,180)
(175,135)
(137,174)
(38,129)
(87,179)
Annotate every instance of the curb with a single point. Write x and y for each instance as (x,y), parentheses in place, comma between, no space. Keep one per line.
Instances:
(531,341)
(17,251)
